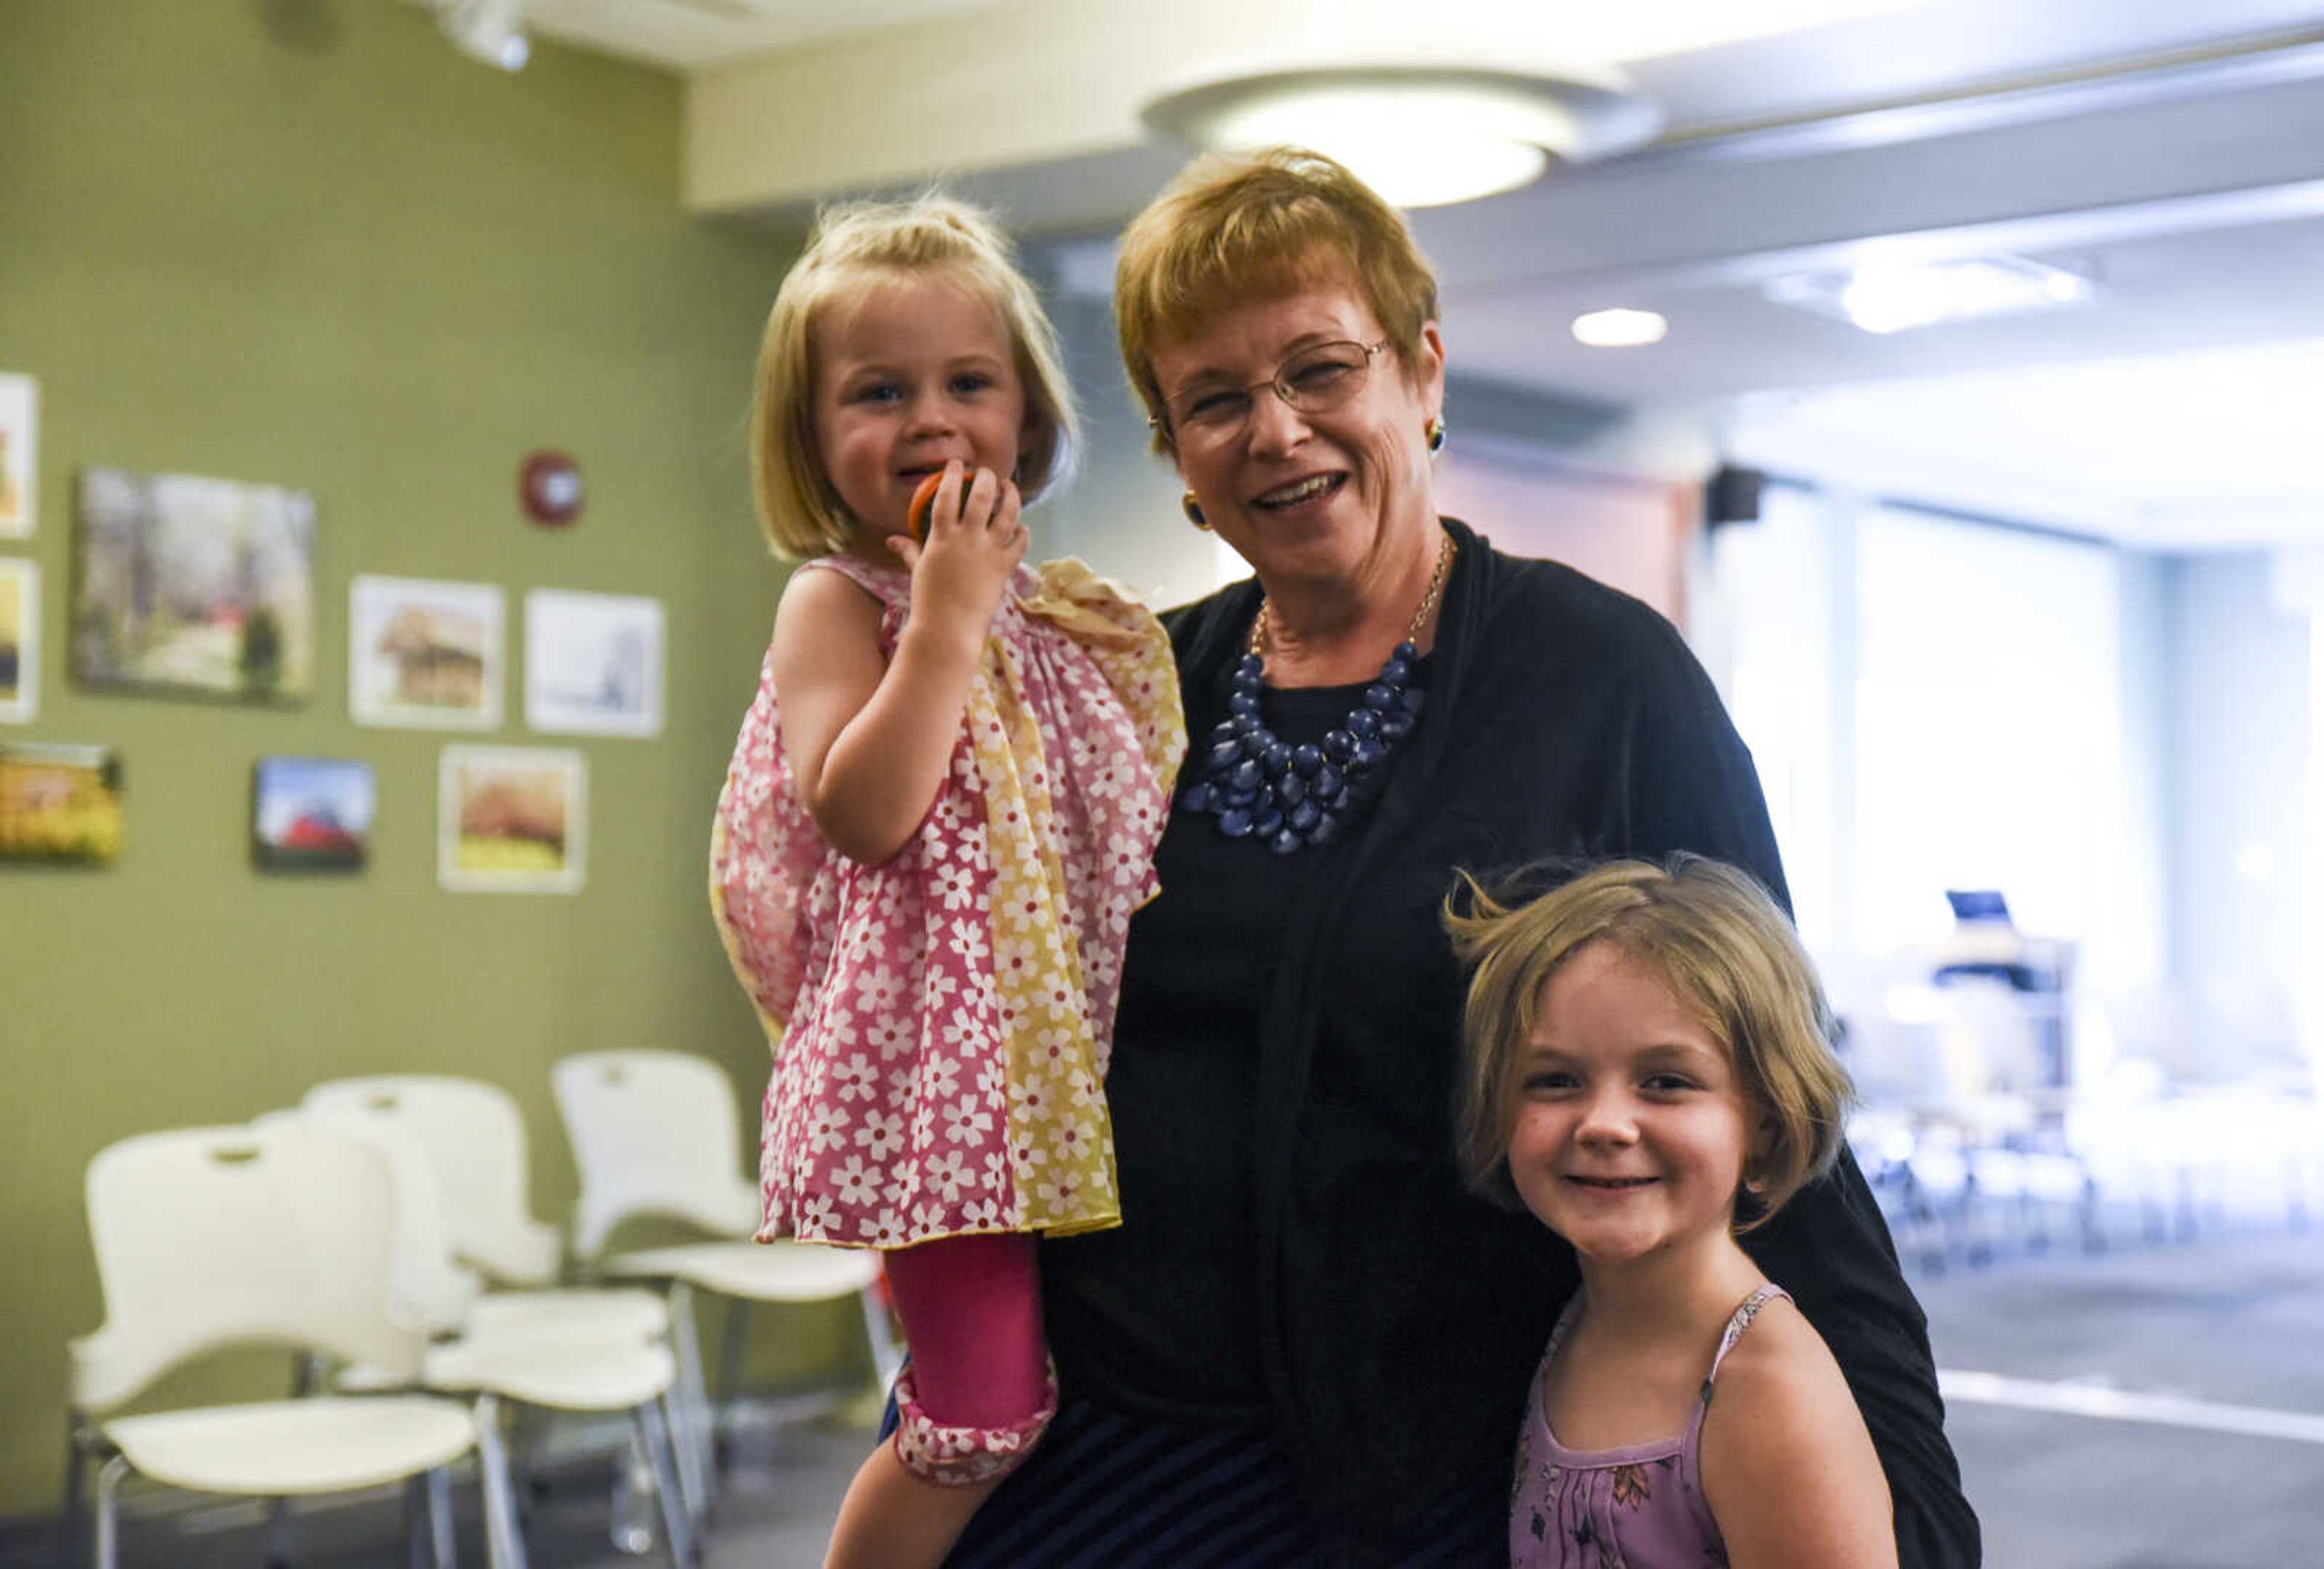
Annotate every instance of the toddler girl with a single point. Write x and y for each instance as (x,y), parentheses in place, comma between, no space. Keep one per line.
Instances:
(939,816)
(1647,1072)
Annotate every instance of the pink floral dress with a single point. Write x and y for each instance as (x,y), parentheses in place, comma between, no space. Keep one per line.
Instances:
(941,1020)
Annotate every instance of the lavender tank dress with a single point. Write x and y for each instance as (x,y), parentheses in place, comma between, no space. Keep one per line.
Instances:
(1640,1507)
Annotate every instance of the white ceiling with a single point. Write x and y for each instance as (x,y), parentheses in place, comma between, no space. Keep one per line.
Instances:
(2171,150)
(686,35)
(2207,448)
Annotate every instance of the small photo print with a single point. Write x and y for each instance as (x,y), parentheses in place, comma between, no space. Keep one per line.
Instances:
(195,586)
(60,804)
(424,655)
(19,402)
(310,813)
(593,663)
(511,819)
(20,642)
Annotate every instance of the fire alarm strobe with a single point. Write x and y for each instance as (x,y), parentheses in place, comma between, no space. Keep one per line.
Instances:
(550,486)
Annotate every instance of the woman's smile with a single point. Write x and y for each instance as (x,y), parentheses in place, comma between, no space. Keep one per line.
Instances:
(1299,493)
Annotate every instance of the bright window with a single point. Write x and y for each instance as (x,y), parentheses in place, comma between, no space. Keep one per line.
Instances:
(1988,731)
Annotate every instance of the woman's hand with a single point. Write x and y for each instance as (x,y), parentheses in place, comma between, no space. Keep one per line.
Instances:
(974,542)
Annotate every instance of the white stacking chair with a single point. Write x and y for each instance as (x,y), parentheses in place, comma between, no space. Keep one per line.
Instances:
(472,1134)
(213,1237)
(555,1363)
(655,1133)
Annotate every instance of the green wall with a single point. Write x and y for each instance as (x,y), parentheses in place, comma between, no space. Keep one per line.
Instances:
(305,243)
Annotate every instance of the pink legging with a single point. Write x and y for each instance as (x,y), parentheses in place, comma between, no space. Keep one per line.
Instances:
(972,1313)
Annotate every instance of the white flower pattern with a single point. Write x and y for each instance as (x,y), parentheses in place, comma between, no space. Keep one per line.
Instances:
(942,1021)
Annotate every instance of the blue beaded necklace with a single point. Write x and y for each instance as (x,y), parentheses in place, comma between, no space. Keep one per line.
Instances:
(1290,797)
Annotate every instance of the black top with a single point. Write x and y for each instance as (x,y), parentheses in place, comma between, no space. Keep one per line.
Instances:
(1297,1244)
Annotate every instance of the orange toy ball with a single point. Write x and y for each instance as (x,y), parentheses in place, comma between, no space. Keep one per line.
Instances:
(924,500)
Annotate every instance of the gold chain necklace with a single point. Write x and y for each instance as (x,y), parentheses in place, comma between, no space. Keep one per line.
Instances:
(1257,642)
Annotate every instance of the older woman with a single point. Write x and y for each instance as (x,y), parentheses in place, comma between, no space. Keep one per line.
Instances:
(1307,1344)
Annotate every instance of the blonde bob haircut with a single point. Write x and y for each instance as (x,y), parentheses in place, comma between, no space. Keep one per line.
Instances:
(854,250)
(1729,957)
(1233,228)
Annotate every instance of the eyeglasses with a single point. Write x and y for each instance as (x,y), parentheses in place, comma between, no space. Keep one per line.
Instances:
(1315,380)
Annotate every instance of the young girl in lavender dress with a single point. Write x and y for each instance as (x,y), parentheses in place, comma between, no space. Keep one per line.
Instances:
(1648,1069)
(940,814)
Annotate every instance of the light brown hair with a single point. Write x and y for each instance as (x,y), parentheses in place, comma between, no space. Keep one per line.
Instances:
(855,248)
(1729,957)
(1237,226)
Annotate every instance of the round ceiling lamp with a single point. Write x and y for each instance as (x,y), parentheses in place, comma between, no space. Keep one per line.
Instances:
(1421,133)
(1619,327)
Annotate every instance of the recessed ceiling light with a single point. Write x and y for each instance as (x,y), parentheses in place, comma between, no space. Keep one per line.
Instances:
(1891,296)
(1619,328)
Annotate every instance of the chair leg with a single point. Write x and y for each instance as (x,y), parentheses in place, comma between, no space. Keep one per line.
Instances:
(887,1356)
(630,1504)
(278,1530)
(696,1420)
(698,1508)
(503,1533)
(306,1374)
(416,1544)
(307,1377)
(525,1426)
(439,1518)
(108,1523)
(732,1351)
(68,1526)
(677,1528)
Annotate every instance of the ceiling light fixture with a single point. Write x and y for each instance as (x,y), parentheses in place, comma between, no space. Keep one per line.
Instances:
(1422,132)
(490,31)
(1891,296)
(1619,328)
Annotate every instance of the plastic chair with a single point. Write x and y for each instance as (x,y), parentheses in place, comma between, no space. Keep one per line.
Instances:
(472,1135)
(557,1362)
(212,1237)
(655,1133)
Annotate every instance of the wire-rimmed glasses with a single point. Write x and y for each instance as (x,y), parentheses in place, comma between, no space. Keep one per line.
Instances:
(1313,380)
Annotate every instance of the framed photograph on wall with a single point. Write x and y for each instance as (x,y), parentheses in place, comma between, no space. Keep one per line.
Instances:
(593,663)
(194,586)
(424,655)
(310,813)
(512,819)
(20,412)
(19,642)
(60,804)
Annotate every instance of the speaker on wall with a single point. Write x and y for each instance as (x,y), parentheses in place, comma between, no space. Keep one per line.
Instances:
(1732,496)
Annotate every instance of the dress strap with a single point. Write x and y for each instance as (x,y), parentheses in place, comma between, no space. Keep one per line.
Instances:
(1564,1326)
(881,582)
(1737,1322)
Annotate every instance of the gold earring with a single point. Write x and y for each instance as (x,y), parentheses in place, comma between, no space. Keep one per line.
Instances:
(1194,510)
(1434,431)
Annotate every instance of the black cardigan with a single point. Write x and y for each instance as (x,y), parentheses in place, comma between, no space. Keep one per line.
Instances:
(1396,1318)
